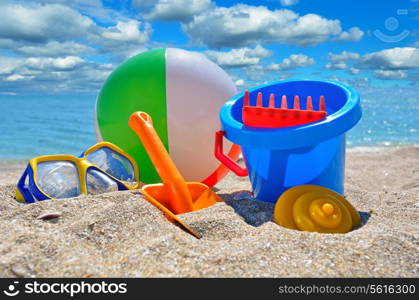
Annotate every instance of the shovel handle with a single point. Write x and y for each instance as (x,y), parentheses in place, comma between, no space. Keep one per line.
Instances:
(224,159)
(178,191)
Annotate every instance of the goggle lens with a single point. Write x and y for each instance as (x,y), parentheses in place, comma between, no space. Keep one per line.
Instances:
(98,183)
(113,163)
(58,179)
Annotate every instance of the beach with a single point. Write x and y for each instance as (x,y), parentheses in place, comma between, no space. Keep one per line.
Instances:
(120,234)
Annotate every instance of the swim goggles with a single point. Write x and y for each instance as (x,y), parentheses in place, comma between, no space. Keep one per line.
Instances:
(102,168)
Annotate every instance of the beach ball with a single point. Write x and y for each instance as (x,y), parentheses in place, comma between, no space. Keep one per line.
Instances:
(183,92)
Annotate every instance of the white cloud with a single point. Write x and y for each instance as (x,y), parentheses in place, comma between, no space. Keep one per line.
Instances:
(91,8)
(8,64)
(391,59)
(344,56)
(358,82)
(61,63)
(339,61)
(239,82)
(171,10)
(244,25)
(64,74)
(47,41)
(294,61)
(47,38)
(255,73)
(134,51)
(7,44)
(15,77)
(389,64)
(289,2)
(54,49)
(123,40)
(390,74)
(354,71)
(41,23)
(354,34)
(127,32)
(239,57)
(336,66)
(55,30)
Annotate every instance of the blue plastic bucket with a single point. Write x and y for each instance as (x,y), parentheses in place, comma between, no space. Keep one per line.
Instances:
(280,158)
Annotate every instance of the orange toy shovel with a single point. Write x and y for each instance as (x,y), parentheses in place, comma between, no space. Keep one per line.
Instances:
(173,196)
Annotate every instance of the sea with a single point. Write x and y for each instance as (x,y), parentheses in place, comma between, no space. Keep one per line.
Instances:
(33,125)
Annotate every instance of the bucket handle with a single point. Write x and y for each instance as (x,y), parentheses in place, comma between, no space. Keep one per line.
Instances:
(224,159)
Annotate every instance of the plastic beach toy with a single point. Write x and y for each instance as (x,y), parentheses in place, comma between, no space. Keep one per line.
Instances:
(182,91)
(315,208)
(174,195)
(273,117)
(102,168)
(280,158)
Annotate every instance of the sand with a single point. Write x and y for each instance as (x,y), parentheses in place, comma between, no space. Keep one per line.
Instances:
(122,235)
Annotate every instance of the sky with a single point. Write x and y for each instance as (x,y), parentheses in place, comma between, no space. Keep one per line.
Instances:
(70,47)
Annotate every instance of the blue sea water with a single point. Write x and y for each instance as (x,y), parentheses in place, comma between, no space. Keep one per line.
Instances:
(59,124)
(387,120)
(40,125)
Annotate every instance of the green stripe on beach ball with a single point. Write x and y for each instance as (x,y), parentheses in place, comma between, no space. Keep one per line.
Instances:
(139,84)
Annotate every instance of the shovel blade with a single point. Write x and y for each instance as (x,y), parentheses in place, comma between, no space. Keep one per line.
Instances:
(159,195)
(202,196)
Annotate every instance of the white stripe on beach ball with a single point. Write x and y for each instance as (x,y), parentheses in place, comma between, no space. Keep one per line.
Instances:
(196,89)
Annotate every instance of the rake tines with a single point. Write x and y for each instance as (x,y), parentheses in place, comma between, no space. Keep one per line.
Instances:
(272,117)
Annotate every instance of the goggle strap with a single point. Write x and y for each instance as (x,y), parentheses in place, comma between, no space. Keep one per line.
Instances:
(23,189)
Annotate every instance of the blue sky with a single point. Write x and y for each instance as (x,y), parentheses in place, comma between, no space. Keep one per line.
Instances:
(70,47)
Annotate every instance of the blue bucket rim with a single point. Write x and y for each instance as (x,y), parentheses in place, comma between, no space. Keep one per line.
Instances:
(297,136)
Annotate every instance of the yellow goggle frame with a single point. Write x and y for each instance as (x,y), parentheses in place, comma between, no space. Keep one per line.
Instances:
(28,193)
